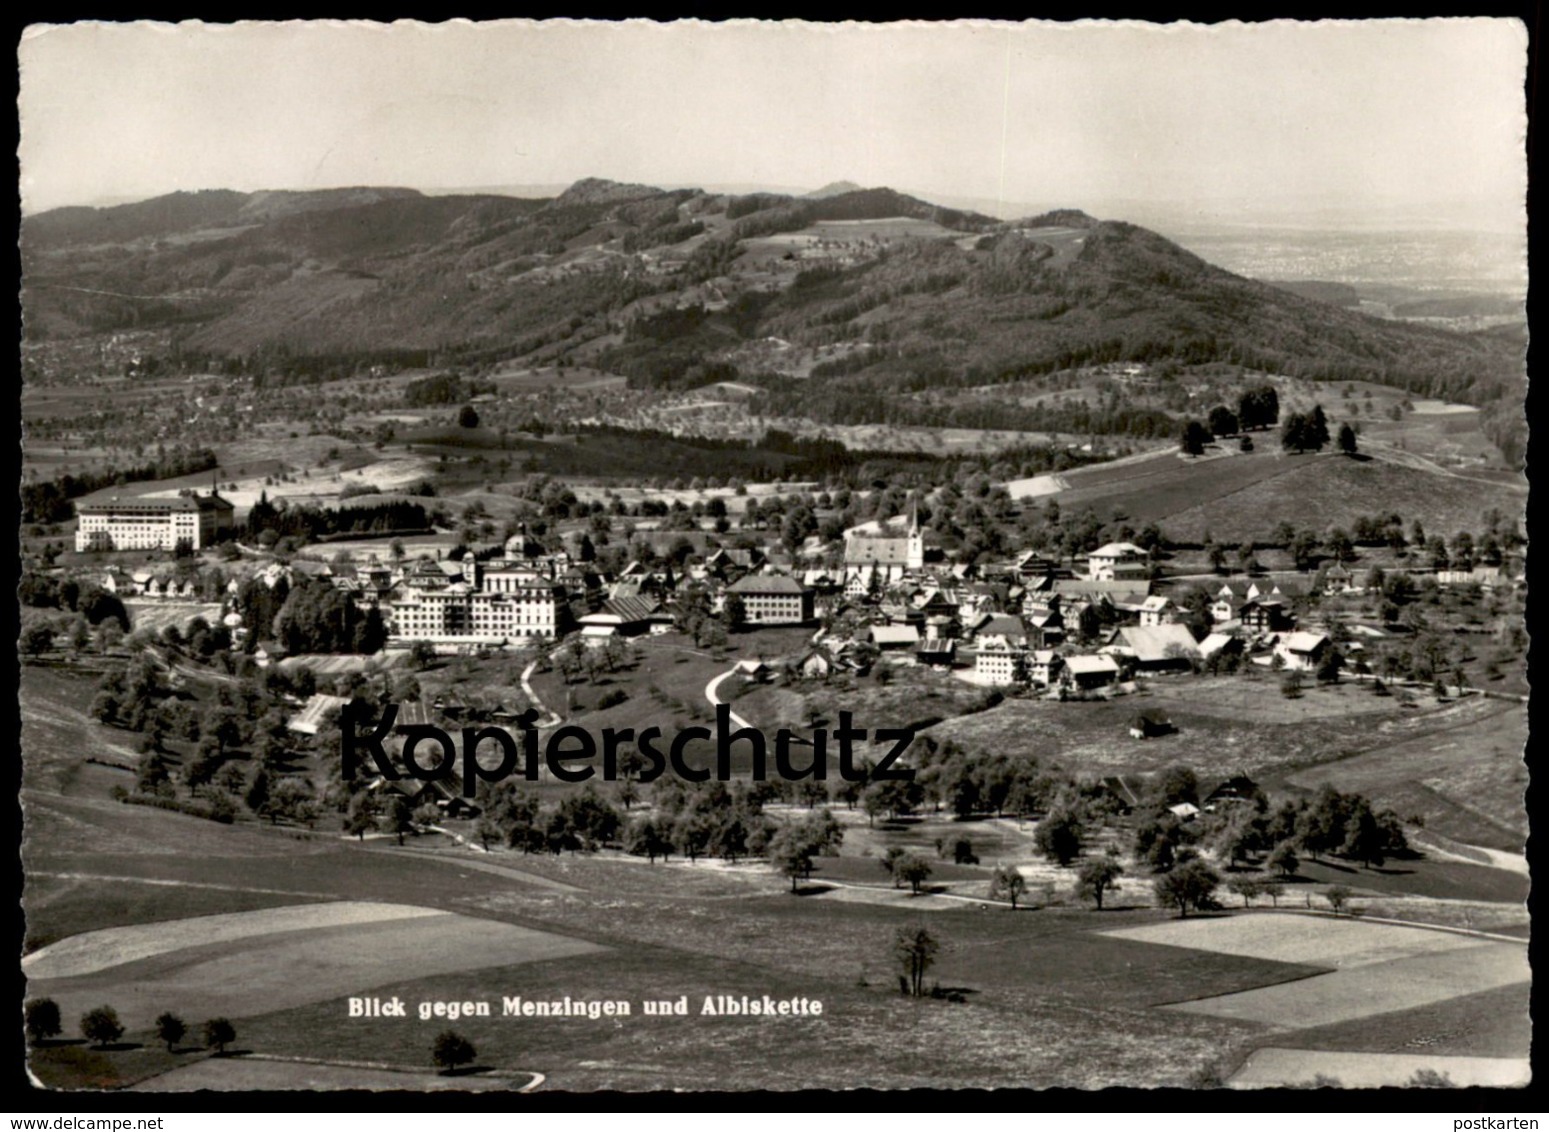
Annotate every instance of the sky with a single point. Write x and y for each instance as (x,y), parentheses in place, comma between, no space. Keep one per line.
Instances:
(1395,115)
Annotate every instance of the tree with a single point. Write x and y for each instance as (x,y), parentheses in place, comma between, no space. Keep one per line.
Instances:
(735,611)
(258,790)
(915,949)
(1223,422)
(101,1026)
(1193,439)
(42,1019)
(1337,896)
(1007,883)
(1347,442)
(1247,889)
(912,870)
(451,1051)
(468,417)
(1098,876)
(1189,885)
(1283,859)
(170,1029)
(1317,429)
(1293,434)
(1059,834)
(400,816)
(220,1033)
(362,818)
(37,640)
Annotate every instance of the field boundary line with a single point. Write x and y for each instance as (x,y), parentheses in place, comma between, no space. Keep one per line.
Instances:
(1476,933)
(381,1066)
(166,882)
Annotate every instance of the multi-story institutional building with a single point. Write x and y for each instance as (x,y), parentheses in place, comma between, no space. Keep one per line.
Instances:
(154,524)
(505,603)
(772,599)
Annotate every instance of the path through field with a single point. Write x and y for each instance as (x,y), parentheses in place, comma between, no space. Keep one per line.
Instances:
(253,1072)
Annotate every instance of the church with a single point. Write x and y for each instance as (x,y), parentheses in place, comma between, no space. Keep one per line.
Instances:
(878,553)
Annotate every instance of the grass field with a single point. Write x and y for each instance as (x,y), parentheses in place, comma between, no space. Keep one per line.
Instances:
(150,910)
(1233,496)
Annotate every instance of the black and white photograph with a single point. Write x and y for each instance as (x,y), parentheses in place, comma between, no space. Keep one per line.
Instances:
(566,556)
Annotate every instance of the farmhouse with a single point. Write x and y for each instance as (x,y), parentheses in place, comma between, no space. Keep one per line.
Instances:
(1085,672)
(1043,667)
(1264,615)
(1303,651)
(1150,723)
(196,521)
(815,664)
(894,638)
(309,720)
(774,599)
(1159,648)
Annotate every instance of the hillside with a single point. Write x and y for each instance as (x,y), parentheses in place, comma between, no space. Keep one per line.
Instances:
(909,302)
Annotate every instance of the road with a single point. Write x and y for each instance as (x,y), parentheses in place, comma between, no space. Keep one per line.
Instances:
(715,701)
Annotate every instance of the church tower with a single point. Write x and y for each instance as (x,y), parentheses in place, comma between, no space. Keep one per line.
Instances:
(914,553)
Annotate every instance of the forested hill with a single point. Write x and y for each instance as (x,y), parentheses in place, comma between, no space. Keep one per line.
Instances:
(941,314)
(666,286)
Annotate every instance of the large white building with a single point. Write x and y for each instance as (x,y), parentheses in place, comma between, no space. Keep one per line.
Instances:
(154,524)
(504,604)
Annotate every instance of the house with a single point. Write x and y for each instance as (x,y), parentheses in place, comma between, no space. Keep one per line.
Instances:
(1043,667)
(894,638)
(1089,671)
(1150,723)
(774,599)
(309,720)
(936,650)
(1035,565)
(1117,561)
(1124,793)
(1264,615)
(1159,648)
(1486,577)
(814,664)
(1230,600)
(1047,628)
(755,671)
(1223,644)
(1304,651)
(1077,593)
(1156,610)
(1337,580)
(999,662)
(1003,625)
(626,616)
(1238,788)
(1184,811)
